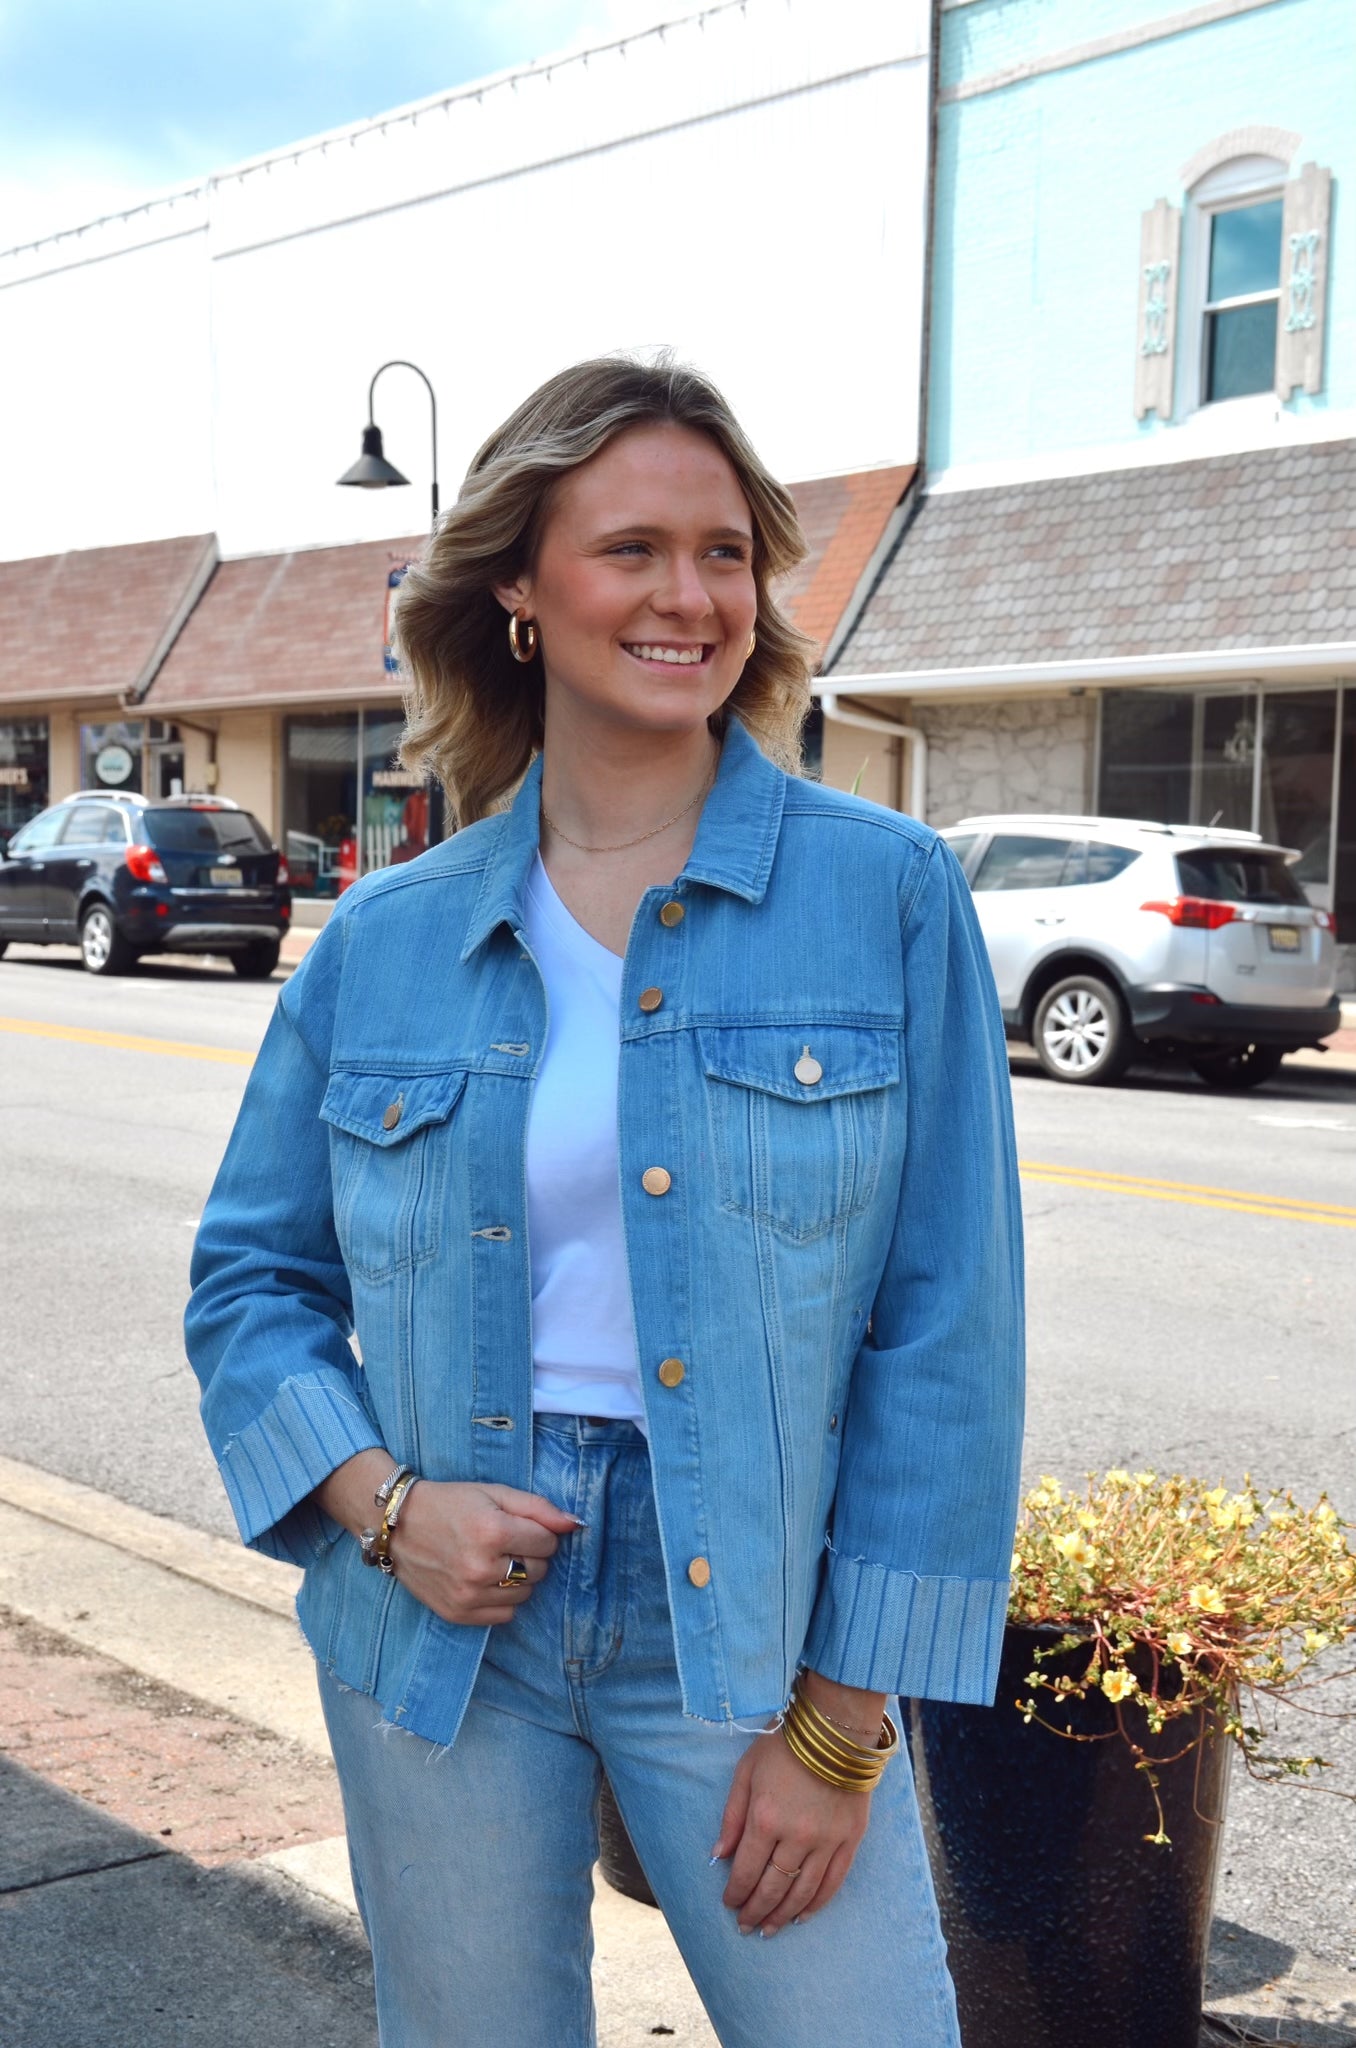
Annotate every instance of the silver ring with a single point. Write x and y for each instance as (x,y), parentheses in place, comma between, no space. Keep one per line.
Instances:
(516,1575)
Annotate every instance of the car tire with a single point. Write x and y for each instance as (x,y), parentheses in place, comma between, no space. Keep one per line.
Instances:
(103,949)
(257,962)
(1239,1066)
(1081,1033)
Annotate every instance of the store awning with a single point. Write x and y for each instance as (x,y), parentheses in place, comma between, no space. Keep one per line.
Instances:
(96,623)
(1239,564)
(294,629)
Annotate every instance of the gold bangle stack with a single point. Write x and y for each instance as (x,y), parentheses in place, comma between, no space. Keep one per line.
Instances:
(831,1755)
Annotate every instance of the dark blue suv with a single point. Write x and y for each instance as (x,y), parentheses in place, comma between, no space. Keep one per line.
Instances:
(124,875)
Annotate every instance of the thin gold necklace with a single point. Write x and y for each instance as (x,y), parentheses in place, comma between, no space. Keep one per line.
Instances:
(621,848)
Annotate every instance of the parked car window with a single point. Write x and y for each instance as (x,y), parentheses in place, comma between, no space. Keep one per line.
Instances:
(1106,862)
(962,844)
(192,831)
(115,829)
(86,825)
(1019,861)
(39,832)
(1228,877)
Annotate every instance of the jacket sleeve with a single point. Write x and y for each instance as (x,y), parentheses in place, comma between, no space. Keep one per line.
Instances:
(914,1592)
(271,1313)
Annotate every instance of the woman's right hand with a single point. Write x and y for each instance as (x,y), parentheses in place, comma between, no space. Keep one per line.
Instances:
(454,1539)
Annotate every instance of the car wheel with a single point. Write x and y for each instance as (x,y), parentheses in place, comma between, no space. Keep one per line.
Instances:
(1239,1066)
(1081,1032)
(257,962)
(103,948)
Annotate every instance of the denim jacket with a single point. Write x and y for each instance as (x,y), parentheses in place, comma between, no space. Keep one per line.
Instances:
(820,1201)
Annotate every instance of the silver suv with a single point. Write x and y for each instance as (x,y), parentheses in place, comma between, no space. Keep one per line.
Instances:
(1110,937)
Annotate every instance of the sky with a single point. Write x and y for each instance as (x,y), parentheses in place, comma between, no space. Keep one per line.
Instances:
(103,102)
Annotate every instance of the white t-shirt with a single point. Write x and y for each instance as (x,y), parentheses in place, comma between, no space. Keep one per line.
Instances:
(583,1339)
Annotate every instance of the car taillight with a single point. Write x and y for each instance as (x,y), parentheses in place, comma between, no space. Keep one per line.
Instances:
(1198,912)
(284,873)
(1324,920)
(145,864)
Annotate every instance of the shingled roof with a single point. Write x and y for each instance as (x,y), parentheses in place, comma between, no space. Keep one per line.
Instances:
(95,623)
(843,518)
(304,627)
(1248,550)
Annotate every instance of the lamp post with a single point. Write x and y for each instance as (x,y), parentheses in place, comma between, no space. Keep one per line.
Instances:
(372,472)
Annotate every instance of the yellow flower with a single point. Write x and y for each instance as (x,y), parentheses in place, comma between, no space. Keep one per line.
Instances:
(1118,1478)
(1179,1642)
(1314,1641)
(1118,1684)
(1206,1600)
(1143,1479)
(1279,1518)
(1087,1519)
(1039,1499)
(1051,1486)
(1215,1496)
(1076,1549)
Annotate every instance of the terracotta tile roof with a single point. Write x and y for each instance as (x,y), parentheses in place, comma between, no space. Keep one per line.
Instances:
(844,518)
(296,628)
(94,623)
(1248,550)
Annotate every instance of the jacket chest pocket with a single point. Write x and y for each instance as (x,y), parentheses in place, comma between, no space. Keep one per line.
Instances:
(388,1155)
(797,1128)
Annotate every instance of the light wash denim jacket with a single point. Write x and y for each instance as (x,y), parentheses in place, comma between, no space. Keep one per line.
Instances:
(835,1256)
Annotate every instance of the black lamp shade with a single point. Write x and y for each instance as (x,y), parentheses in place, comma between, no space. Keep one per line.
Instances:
(372,472)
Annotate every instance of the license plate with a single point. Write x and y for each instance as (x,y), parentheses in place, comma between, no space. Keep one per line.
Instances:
(225,878)
(1284,938)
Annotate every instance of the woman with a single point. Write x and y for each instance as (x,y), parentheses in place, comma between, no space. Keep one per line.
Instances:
(654,1138)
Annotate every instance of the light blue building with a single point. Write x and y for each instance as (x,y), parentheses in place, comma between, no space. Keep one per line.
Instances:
(1129,582)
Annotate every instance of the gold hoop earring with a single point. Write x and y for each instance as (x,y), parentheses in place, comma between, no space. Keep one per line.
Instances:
(753,642)
(521,649)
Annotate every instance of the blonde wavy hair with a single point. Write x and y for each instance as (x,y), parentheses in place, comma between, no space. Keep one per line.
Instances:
(473,714)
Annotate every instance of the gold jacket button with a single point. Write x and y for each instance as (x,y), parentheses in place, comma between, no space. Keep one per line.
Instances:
(672,1372)
(651,998)
(699,1571)
(391,1117)
(808,1070)
(671,913)
(656,1180)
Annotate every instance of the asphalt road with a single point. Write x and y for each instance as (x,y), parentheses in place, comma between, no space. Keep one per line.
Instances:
(1169,1325)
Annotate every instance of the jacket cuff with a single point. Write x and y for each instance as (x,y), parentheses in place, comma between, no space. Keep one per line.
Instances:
(896,1632)
(309,1428)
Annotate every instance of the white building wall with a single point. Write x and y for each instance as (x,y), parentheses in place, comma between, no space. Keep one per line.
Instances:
(724,187)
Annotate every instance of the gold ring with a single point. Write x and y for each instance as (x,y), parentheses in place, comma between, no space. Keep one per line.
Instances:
(516,1575)
(775,1865)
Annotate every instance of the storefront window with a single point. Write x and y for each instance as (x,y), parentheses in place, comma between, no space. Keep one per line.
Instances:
(110,754)
(1344,867)
(1299,732)
(1225,749)
(1146,755)
(395,803)
(23,770)
(320,802)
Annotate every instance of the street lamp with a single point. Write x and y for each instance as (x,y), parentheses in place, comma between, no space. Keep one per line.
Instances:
(372,472)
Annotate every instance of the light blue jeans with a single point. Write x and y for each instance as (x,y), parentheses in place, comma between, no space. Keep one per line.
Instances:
(473,1864)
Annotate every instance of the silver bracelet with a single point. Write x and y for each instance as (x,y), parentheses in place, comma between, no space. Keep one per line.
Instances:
(404,1487)
(389,1484)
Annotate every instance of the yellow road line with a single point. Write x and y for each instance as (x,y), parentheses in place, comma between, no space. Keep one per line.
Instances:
(1149,1192)
(1139,1182)
(124,1041)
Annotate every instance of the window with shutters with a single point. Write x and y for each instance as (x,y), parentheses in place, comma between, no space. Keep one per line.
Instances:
(1231,278)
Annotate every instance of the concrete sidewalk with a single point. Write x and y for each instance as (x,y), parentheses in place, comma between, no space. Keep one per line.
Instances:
(172,1867)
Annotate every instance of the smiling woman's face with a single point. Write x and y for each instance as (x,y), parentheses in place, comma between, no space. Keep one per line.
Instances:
(642,590)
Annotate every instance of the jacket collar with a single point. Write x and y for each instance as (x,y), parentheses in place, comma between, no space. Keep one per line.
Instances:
(733,850)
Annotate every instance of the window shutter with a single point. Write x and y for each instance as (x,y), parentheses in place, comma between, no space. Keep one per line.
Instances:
(1304,274)
(1160,239)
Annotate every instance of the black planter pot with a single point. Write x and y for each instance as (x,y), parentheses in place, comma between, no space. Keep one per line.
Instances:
(617,1854)
(1063,1924)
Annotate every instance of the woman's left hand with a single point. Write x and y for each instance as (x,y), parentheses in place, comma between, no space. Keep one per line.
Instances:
(780,1818)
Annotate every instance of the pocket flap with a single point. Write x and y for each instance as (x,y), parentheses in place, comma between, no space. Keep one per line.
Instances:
(385,1109)
(850,1058)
